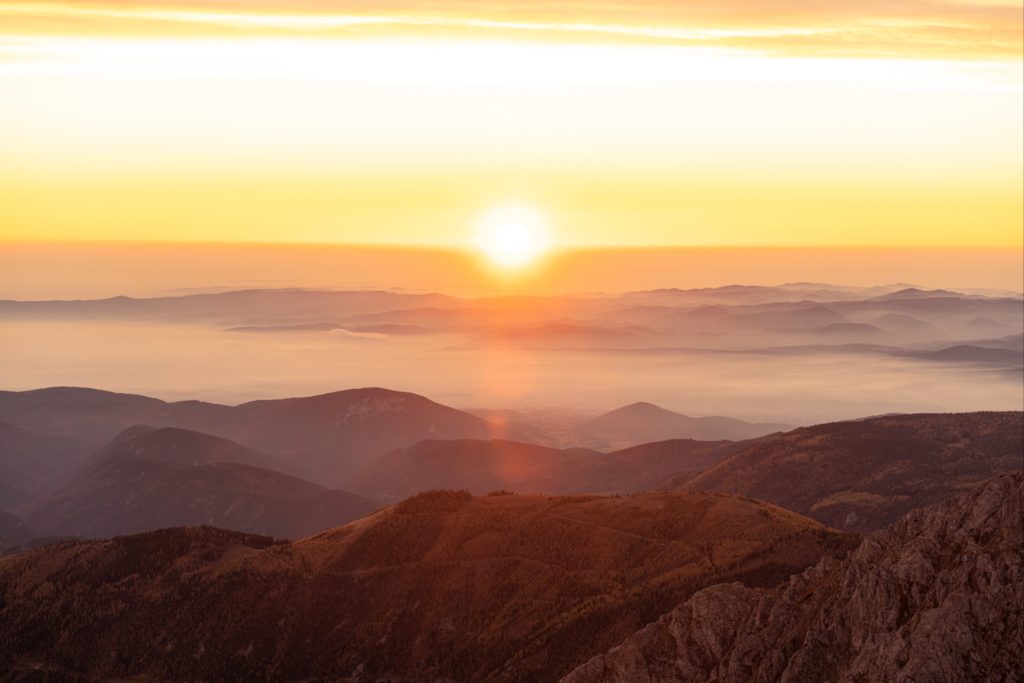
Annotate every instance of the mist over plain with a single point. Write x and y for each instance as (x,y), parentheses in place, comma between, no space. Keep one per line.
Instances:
(797,354)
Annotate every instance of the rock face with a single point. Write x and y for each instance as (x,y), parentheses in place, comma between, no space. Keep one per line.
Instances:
(935,597)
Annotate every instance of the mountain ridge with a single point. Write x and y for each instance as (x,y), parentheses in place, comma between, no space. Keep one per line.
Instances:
(933,597)
(862,475)
(442,586)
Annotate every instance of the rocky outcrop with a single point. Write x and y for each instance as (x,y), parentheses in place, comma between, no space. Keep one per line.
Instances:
(937,596)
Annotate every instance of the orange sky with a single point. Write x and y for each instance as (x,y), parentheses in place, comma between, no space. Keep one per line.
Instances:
(792,123)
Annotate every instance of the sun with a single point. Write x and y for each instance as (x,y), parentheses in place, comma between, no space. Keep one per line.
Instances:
(513,236)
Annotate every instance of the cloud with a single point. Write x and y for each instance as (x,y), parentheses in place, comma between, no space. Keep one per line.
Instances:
(925,28)
(349,334)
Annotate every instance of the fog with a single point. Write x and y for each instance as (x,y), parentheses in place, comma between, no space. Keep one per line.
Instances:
(177,361)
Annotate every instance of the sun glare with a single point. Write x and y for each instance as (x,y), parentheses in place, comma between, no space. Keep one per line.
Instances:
(513,236)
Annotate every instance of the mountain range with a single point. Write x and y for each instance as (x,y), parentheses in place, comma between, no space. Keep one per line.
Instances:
(677,559)
(329,438)
(326,437)
(856,475)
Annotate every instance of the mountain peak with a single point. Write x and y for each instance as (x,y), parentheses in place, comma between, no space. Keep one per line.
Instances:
(642,407)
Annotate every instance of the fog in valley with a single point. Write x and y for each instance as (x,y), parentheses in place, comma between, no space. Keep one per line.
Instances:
(798,354)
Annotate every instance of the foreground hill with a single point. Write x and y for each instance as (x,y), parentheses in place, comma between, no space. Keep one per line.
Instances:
(482,466)
(325,437)
(935,597)
(441,586)
(645,422)
(151,479)
(861,475)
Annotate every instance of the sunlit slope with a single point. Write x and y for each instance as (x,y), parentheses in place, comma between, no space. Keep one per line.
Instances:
(443,585)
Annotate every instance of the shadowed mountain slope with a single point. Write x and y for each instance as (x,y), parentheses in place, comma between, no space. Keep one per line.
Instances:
(176,446)
(28,459)
(335,434)
(935,597)
(155,478)
(483,466)
(13,531)
(861,475)
(443,586)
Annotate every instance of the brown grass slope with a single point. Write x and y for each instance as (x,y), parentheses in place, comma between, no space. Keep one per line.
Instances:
(936,597)
(443,586)
(862,475)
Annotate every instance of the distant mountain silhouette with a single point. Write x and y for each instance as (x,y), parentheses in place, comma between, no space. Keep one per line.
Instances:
(836,330)
(443,586)
(725,319)
(915,293)
(231,308)
(934,597)
(645,422)
(907,326)
(1013,342)
(482,466)
(861,475)
(967,353)
(150,479)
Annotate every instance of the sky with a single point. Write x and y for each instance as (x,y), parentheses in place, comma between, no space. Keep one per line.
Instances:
(683,123)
